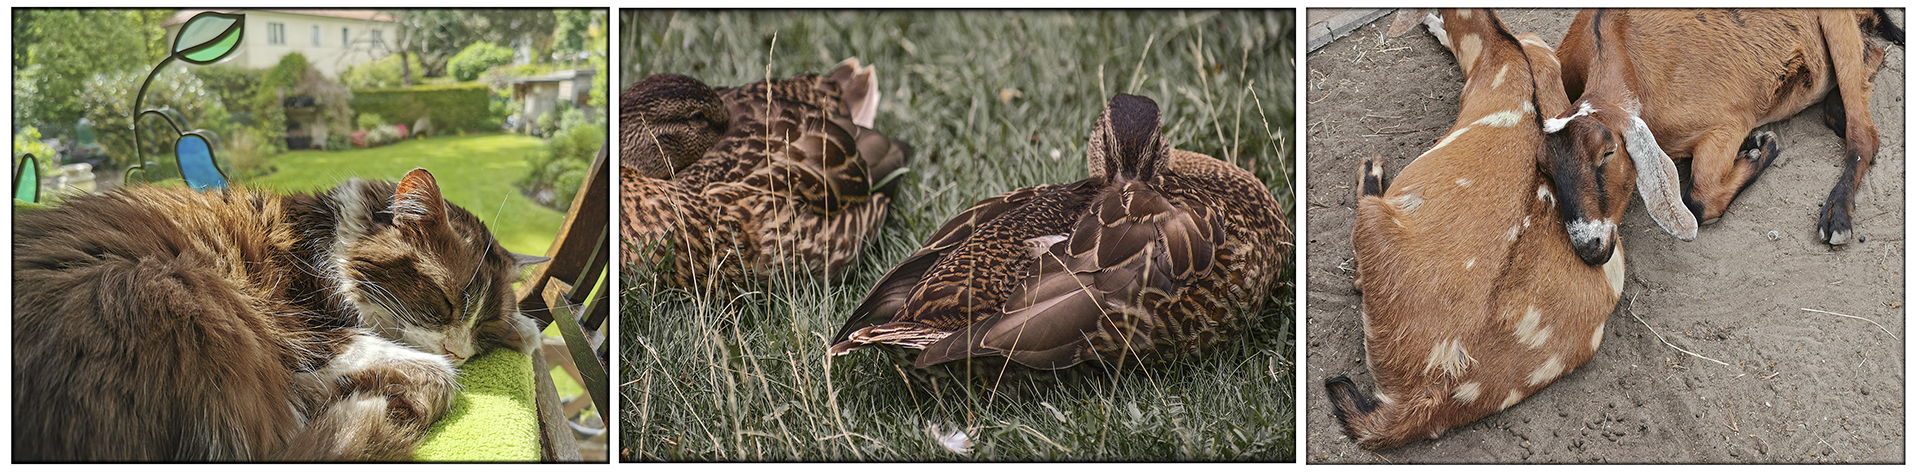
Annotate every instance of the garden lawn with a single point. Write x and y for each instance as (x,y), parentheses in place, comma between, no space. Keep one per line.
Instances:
(992,101)
(476,172)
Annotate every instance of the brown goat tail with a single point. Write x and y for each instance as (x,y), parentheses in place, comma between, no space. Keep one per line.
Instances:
(1886,27)
(1348,402)
(1377,425)
(1362,417)
(1370,183)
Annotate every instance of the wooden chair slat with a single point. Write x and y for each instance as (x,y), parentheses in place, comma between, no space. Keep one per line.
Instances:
(559,445)
(579,345)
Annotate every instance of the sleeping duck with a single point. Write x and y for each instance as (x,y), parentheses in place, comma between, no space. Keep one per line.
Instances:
(722,186)
(1160,251)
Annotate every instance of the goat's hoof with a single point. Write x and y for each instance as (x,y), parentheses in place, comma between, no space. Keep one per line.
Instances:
(1760,149)
(1834,226)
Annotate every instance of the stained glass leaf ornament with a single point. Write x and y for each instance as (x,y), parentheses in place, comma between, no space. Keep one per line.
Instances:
(196,162)
(26,180)
(209,37)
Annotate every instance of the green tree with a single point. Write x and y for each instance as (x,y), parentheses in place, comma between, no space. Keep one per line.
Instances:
(108,102)
(233,85)
(478,58)
(27,141)
(573,33)
(436,35)
(598,42)
(384,72)
(56,53)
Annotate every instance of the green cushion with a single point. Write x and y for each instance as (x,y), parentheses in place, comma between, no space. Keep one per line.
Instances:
(494,417)
(19,205)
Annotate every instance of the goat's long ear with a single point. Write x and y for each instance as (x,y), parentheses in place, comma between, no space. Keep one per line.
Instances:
(1656,181)
(1406,20)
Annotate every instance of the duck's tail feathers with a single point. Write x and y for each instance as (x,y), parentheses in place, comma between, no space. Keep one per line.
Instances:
(859,86)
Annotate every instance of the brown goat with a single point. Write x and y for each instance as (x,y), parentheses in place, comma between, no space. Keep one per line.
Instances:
(1694,83)
(1472,298)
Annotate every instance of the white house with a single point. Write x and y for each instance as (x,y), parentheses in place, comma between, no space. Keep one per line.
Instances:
(332,40)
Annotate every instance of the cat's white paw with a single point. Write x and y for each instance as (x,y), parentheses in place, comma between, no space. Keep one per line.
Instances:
(524,335)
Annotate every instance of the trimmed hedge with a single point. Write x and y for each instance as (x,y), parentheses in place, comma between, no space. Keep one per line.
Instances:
(461,106)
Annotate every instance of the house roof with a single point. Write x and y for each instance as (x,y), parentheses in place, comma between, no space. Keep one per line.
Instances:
(367,15)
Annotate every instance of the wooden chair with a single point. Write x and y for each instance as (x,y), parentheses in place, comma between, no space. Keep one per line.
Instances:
(573,291)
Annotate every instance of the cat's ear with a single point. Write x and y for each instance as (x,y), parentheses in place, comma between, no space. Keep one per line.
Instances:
(524,260)
(418,200)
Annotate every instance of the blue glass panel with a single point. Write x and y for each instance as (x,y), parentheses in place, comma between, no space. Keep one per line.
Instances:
(196,164)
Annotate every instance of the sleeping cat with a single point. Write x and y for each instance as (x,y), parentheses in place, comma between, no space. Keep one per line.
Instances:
(167,324)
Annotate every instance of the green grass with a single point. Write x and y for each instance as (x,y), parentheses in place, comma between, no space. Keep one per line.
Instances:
(475,172)
(747,378)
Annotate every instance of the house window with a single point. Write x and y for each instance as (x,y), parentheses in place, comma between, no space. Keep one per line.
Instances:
(315,36)
(345,37)
(276,34)
(378,38)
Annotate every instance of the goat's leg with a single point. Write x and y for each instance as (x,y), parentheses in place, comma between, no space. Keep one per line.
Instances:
(1852,74)
(1726,162)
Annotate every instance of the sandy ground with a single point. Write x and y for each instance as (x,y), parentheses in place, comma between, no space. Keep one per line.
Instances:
(1793,386)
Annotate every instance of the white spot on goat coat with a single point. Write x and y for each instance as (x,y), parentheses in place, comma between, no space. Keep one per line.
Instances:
(1505,118)
(1464,182)
(1500,73)
(1595,340)
(1613,270)
(1550,369)
(1446,140)
(1467,392)
(1508,401)
(1468,49)
(1556,124)
(1542,193)
(1406,202)
(1435,23)
(1448,357)
(1530,330)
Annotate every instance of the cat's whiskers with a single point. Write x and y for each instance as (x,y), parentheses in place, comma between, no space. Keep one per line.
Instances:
(386,300)
(489,239)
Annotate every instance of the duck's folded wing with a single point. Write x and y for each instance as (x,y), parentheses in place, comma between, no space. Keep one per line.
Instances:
(892,292)
(1093,290)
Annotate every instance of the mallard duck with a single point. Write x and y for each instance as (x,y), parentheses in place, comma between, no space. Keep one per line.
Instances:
(1160,251)
(769,178)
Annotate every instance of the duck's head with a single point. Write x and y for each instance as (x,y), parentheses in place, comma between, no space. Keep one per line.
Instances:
(1125,143)
(668,121)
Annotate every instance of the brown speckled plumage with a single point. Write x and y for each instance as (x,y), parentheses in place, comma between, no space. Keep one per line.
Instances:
(785,189)
(1159,252)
